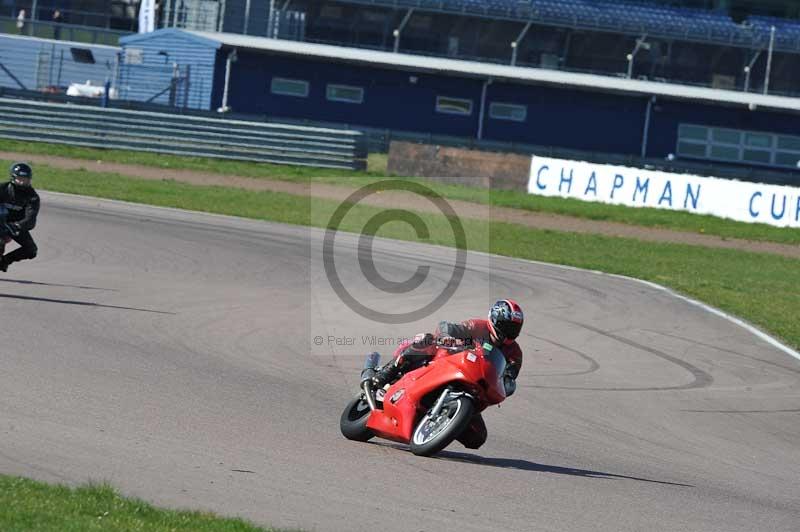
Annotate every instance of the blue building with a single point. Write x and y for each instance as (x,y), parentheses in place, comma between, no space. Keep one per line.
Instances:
(38,64)
(297,80)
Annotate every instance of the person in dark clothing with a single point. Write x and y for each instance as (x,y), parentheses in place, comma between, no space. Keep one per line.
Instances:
(501,329)
(21,203)
(57,20)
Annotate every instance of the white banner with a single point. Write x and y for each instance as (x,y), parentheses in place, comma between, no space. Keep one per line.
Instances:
(147,16)
(737,200)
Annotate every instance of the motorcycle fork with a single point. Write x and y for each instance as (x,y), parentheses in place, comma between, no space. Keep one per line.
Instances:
(447,395)
(366,387)
(437,407)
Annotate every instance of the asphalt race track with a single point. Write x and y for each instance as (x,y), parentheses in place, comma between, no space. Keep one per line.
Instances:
(172,354)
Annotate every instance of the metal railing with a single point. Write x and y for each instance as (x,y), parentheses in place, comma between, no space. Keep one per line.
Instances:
(379,141)
(62,32)
(358,139)
(98,127)
(120,16)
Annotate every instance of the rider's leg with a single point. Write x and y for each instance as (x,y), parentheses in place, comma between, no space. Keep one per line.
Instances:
(475,434)
(27,250)
(406,359)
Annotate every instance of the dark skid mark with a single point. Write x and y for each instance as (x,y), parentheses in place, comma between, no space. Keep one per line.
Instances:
(701,378)
(790,410)
(80,303)
(242,471)
(593,365)
(526,465)
(723,350)
(35,283)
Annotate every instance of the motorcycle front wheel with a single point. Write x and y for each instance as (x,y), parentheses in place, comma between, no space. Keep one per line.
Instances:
(353,422)
(434,434)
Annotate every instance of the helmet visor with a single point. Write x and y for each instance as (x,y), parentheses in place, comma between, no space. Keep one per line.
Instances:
(21,181)
(509,329)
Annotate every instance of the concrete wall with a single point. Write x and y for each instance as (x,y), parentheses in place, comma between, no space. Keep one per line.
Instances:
(460,166)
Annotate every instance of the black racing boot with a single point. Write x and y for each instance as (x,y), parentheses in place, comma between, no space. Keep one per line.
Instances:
(386,374)
(3,265)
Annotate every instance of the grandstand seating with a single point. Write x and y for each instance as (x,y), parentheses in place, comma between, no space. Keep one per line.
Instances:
(787,33)
(621,15)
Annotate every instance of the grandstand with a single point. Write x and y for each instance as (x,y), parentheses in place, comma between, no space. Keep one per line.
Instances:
(644,79)
(681,44)
(715,43)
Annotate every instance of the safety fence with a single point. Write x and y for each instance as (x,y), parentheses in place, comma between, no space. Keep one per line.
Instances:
(46,29)
(86,125)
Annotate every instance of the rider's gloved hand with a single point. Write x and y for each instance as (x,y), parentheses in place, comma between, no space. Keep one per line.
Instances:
(422,340)
(449,341)
(14,228)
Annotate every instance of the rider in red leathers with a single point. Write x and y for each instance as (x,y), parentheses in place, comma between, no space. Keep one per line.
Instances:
(501,329)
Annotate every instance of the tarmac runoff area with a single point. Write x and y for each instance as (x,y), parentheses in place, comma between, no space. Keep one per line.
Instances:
(173,355)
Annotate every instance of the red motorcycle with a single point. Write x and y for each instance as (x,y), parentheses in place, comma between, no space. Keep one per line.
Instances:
(431,406)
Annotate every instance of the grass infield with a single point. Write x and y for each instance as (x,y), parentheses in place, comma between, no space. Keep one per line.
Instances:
(27,505)
(679,221)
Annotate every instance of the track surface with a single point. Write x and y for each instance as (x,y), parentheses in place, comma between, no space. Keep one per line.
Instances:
(171,354)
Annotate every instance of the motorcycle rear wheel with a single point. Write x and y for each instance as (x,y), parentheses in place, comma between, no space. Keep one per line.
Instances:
(353,422)
(433,435)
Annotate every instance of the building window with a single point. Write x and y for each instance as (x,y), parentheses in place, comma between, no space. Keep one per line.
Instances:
(689,132)
(726,153)
(690,149)
(737,146)
(789,143)
(757,156)
(758,140)
(791,160)
(290,87)
(508,111)
(726,136)
(453,106)
(345,93)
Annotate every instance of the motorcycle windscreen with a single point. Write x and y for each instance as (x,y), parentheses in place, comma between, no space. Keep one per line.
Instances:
(495,365)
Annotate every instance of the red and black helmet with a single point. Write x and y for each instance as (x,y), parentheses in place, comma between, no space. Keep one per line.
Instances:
(506,319)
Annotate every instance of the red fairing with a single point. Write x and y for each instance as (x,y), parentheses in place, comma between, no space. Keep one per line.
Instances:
(403,402)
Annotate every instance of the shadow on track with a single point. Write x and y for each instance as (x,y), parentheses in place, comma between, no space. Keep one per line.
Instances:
(80,303)
(35,283)
(525,465)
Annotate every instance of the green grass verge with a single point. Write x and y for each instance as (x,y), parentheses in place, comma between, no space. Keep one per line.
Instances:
(27,505)
(758,287)
(680,221)
(201,164)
